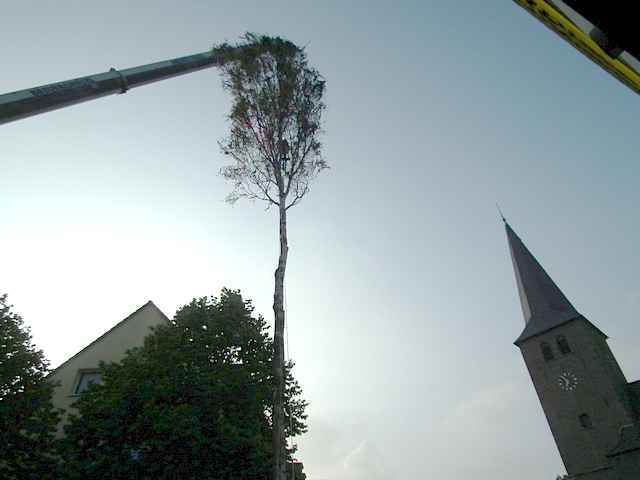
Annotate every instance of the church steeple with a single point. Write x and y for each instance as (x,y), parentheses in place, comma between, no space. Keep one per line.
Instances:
(544,306)
(583,392)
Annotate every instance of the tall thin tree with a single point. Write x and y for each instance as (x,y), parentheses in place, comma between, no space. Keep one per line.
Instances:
(276,151)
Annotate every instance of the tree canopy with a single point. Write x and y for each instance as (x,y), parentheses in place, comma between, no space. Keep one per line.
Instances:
(275,119)
(193,402)
(27,417)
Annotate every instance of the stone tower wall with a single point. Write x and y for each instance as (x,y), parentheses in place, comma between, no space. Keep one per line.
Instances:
(600,394)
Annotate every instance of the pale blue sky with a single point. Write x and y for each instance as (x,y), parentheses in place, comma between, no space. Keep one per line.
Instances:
(401,296)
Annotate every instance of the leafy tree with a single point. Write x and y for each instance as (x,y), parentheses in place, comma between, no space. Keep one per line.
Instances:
(295,471)
(27,417)
(193,402)
(276,151)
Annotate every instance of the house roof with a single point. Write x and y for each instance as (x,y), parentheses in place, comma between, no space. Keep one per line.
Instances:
(544,306)
(122,323)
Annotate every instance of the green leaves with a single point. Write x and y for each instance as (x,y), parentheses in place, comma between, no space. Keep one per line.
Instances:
(277,98)
(190,403)
(27,417)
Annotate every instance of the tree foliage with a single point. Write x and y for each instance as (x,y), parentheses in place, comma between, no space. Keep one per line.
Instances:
(27,417)
(295,471)
(277,105)
(193,402)
(275,119)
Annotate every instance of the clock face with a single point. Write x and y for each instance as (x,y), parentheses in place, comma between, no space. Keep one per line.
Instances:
(567,381)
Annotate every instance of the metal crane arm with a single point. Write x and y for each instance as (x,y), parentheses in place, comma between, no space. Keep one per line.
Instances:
(32,101)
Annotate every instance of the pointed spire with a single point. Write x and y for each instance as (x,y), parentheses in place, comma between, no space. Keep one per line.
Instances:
(544,306)
(504,220)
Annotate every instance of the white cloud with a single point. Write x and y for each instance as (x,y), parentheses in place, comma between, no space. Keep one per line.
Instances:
(485,406)
(496,432)
(342,451)
(363,462)
(473,428)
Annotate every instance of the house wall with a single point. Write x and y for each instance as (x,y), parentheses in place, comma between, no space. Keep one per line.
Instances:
(110,347)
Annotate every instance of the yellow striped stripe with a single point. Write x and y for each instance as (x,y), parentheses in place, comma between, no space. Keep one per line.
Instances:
(556,21)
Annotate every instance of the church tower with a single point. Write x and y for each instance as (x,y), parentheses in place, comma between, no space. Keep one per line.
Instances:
(583,392)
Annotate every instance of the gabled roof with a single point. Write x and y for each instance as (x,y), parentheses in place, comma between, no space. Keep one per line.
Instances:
(544,306)
(149,304)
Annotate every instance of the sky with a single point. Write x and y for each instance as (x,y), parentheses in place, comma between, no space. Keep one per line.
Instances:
(401,299)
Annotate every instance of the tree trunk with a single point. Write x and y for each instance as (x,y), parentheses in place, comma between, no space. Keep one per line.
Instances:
(279,447)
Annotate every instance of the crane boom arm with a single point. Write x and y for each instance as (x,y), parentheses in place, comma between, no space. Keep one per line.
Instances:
(32,101)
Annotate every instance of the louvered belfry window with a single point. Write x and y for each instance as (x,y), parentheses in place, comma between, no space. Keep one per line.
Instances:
(547,353)
(585,421)
(563,345)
